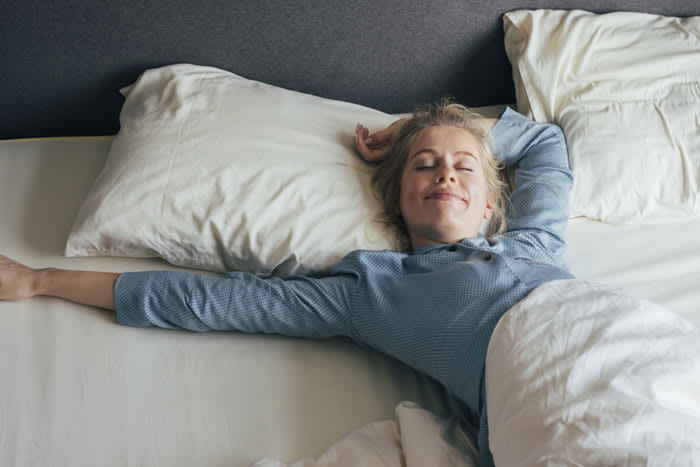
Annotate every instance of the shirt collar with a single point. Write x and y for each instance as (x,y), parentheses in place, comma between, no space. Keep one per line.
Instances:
(475,242)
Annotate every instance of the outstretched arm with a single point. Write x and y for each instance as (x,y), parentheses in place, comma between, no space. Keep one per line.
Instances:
(18,281)
(294,306)
(297,306)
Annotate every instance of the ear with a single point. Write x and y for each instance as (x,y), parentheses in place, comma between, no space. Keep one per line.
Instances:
(488,211)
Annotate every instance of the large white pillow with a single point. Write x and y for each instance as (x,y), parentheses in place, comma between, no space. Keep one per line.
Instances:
(625,88)
(213,171)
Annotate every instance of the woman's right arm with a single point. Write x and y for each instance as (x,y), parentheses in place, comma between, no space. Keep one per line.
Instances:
(18,282)
(295,306)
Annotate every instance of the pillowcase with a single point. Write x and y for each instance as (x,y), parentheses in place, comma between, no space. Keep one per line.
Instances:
(213,171)
(625,89)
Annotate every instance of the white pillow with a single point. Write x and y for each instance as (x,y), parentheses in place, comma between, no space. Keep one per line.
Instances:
(217,172)
(625,88)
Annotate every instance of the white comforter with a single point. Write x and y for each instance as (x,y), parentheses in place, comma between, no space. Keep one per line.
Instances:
(576,374)
(580,374)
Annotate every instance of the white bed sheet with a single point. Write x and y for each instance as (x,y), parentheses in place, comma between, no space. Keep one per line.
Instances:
(77,389)
(660,263)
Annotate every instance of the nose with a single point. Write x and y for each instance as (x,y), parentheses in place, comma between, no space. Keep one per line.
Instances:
(444,175)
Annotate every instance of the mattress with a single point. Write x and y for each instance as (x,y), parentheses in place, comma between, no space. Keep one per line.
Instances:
(79,389)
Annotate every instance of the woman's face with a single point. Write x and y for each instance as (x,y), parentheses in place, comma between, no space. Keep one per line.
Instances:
(444,194)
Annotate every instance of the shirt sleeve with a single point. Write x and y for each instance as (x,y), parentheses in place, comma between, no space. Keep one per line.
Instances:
(294,306)
(539,203)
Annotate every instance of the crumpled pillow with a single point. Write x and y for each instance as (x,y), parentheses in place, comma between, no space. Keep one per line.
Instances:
(217,172)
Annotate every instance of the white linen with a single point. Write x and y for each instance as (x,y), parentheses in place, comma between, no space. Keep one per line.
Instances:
(625,89)
(660,263)
(580,374)
(217,172)
(417,438)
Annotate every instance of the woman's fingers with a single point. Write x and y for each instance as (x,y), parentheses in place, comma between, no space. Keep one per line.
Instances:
(361,143)
(374,147)
(380,138)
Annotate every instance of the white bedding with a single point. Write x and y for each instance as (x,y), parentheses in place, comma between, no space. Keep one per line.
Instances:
(80,390)
(417,438)
(580,374)
(660,263)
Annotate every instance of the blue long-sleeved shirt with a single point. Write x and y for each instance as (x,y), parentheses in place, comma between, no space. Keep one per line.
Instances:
(434,308)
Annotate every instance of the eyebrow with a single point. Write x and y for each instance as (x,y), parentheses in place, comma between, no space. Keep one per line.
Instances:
(467,153)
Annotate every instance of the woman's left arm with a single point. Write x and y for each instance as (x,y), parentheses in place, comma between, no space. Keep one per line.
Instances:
(539,203)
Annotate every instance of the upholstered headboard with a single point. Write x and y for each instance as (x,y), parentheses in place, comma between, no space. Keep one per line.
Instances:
(64,62)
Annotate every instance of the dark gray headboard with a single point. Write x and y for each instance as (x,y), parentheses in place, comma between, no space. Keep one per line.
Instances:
(64,61)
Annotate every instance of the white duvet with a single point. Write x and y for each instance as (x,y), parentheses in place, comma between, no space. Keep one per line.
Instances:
(581,374)
(577,374)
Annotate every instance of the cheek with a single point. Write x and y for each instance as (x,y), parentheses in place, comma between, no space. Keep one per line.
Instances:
(477,190)
(484,193)
(410,190)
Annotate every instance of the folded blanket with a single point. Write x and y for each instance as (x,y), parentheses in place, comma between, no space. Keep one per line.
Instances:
(418,438)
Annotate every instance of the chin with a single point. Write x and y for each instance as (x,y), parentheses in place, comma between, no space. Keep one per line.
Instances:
(443,228)
(453,236)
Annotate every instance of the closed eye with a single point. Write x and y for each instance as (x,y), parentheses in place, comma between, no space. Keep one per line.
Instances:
(468,169)
(424,167)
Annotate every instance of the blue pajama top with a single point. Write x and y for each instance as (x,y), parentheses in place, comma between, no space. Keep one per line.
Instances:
(434,308)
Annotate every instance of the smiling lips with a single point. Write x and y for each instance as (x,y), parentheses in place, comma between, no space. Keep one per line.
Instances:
(444,195)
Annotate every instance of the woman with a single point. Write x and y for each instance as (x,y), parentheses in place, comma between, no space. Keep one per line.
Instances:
(433,307)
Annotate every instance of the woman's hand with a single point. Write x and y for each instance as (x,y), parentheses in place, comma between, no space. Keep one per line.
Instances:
(375,147)
(17,281)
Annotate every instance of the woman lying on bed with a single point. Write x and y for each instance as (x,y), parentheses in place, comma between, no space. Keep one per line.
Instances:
(433,308)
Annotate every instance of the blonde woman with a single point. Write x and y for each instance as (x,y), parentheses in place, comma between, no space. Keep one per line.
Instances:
(433,306)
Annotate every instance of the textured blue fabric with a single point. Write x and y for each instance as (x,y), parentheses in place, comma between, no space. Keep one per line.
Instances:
(434,308)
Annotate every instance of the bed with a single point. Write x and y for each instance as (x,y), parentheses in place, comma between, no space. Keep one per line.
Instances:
(77,389)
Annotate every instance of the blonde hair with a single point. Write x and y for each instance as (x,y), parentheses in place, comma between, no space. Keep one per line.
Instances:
(386,180)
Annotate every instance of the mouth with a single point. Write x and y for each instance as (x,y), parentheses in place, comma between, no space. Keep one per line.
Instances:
(445,195)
